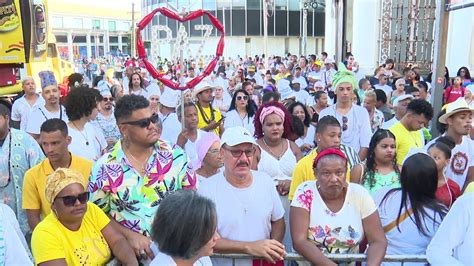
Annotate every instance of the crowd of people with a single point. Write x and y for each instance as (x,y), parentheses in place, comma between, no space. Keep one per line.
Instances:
(265,157)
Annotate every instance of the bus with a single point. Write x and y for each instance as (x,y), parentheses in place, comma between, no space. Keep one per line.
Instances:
(27,47)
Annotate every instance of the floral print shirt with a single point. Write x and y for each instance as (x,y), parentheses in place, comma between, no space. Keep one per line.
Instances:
(120,191)
(340,232)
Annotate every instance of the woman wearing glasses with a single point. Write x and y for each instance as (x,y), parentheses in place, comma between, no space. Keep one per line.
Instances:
(209,159)
(241,112)
(76,232)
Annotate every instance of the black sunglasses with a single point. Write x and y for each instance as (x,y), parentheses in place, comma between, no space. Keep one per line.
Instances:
(145,122)
(71,200)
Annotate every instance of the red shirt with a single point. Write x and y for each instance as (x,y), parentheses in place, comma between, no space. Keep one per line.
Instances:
(451,94)
(443,193)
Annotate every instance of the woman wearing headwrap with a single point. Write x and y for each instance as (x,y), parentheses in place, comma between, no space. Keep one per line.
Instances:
(332,216)
(354,119)
(76,232)
(277,156)
(209,159)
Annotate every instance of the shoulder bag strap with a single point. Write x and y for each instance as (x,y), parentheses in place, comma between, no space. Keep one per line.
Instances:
(393,224)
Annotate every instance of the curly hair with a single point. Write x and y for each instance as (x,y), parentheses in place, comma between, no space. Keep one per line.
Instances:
(80,102)
(287,123)
(307,117)
(421,107)
(127,104)
(371,166)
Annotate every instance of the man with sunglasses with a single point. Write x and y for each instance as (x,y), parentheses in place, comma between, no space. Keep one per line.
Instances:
(248,206)
(105,120)
(130,181)
(54,139)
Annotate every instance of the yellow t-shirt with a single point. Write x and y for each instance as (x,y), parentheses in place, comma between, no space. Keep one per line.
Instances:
(469,188)
(86,246)
(304,172)
(280,76)
(34,183)
(405,140)
(207,113)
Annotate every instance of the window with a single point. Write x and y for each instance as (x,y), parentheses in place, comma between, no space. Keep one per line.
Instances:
(77,23)
(238,4)
(112,26)
(280,5)
(294,5)
(57,22)
(209,5)
(95,24)
(253,4)
(223,4)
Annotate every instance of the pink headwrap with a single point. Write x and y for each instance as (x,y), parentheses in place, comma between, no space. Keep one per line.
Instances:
(202,147)
(271,110)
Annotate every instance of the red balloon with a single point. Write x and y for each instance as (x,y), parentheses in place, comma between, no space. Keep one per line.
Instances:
(170,14)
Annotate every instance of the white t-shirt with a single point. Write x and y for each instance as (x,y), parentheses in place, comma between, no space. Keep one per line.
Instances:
(161,259)
(302,81)
(171,127)
(358,132)
(243,214)
(233,119)
(15,248)
(453,242)
(339,232)
(190,147)
(90,135)
(462,157)
(409,240)
(386,88)
(302,96)
(308,139)
(21,108)
(37,117)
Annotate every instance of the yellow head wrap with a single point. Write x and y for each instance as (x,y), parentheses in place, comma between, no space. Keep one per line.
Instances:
(343,75)
(60,179)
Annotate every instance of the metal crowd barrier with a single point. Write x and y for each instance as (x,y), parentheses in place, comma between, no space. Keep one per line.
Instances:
(338,258)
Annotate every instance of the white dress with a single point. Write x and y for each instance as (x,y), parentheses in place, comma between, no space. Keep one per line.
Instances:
(280,170)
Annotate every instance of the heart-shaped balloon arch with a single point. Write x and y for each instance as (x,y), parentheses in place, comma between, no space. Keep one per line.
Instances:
(172,15)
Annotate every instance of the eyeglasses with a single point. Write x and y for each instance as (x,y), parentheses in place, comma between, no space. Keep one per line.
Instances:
(213,151)
(240,98)
(69,201)
(238,153)
(107,99)
(145,122)
(344,123)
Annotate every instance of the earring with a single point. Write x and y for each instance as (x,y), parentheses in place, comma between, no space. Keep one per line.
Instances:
(318,185)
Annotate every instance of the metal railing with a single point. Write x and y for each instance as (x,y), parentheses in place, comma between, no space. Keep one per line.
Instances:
(338,258)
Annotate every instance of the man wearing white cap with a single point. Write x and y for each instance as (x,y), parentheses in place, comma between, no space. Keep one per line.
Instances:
(249,210)
(169,118)
(458,119)
(210,118)
(400,106)
(328,72)
(105,120)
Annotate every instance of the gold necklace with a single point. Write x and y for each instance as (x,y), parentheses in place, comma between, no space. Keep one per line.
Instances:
(142,170)
(278,157)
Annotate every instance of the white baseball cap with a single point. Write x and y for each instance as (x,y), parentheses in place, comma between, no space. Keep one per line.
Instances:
(402,98)
(234,136)
(169,98)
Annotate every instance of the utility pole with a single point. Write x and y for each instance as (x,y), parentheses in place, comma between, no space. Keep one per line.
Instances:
(133,52)
(265,32)
(439,61)
(304,40)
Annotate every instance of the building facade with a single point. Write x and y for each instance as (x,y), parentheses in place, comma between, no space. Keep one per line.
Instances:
(84,33)
(244,27)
